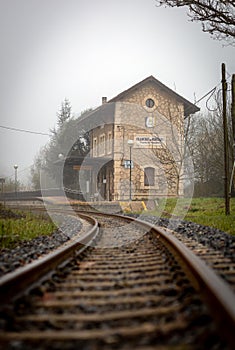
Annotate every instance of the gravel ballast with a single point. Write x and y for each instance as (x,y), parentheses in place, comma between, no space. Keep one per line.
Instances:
(27,251)
(208,236)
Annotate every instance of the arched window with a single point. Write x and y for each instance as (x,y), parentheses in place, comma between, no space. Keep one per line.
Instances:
(149,176)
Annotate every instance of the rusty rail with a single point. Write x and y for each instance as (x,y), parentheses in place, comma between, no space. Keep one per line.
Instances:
(25,278)
(216,293)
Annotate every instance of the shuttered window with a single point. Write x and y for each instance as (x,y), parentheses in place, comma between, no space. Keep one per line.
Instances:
(149,175)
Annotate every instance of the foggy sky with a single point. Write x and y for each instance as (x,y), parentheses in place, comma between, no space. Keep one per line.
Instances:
(83,50)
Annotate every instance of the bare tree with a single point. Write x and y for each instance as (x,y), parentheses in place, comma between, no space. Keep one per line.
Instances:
(35,169)
(217,17)
(9,185)
(175,157)
(207,150)
(171,155)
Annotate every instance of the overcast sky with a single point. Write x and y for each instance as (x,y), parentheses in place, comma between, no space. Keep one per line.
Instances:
(83,50)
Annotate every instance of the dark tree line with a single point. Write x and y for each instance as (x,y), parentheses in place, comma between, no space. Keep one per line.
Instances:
(67,140)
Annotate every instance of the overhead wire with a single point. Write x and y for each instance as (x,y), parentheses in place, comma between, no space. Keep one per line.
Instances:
(23,130)
(212,92)
(18,172)
(207,101)
(204,96)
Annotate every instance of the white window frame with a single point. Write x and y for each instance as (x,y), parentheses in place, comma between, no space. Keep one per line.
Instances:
(102,145)
(95,148)
(109,143)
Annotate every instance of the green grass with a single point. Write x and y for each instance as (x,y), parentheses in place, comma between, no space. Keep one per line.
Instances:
(28,227)
(204,211)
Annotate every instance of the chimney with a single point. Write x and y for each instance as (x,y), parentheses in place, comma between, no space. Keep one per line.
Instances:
(104,100)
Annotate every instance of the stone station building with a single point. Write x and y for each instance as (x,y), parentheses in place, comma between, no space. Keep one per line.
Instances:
(137,144)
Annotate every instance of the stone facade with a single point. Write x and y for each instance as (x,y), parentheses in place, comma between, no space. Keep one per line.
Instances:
(152,117)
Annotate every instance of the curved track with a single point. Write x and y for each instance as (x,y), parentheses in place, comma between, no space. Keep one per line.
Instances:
(136,286)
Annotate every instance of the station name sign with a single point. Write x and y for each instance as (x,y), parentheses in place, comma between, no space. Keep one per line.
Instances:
(148,141)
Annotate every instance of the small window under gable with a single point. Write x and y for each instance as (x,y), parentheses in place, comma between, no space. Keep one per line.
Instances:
(95,147)
(149,176)
(102,145)
(109,145)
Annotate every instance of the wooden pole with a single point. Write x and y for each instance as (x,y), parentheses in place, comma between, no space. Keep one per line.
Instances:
(233,107)
(225,127)
(233,129)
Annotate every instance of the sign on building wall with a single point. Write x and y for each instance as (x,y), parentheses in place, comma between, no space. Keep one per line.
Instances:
(148,141)
(128,163)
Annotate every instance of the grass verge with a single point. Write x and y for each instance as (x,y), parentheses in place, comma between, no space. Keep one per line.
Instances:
(204,211)
(24,226)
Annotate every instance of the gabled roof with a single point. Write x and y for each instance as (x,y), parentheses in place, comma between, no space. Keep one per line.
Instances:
(189,108)
(103,114)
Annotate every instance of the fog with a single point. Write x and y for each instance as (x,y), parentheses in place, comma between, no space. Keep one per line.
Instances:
(83,50)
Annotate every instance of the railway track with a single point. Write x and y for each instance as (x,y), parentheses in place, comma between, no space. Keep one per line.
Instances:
(134,286)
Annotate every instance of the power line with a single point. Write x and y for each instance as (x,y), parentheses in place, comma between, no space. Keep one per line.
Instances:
(8,177)
(19,172)
(211,91)
(23,130)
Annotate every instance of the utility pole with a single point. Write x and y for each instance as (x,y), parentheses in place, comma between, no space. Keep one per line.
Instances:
(232,181)
(233,106)
(225,126)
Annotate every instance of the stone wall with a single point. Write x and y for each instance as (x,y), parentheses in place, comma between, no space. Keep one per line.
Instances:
(130,122)
(134,120)
(165,104)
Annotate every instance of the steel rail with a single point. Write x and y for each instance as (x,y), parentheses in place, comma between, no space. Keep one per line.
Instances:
(216,292)
(13,284)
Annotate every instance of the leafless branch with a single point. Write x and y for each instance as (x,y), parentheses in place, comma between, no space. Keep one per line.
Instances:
(217,17)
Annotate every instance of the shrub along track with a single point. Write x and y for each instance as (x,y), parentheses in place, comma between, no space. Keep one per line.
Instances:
(129,289)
